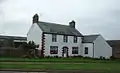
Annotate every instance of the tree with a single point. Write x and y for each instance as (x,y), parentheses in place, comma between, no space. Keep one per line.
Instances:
(30,48)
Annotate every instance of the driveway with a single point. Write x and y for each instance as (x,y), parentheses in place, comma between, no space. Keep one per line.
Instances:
(19,72)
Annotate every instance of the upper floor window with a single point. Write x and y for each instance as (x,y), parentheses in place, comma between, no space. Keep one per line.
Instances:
(54,38)
(74,50)
(75,39)
(65,38)
(53,49)
(86,50)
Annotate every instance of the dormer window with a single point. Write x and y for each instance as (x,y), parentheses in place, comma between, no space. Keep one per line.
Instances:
(75,39)
(54,38)
(65,38)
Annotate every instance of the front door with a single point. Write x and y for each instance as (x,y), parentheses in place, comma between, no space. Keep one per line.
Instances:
(65,52)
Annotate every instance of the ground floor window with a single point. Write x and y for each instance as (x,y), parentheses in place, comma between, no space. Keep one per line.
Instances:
(74,50)
(53,49)
(86,50)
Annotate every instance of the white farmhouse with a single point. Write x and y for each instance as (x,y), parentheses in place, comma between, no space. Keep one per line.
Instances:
(65,40)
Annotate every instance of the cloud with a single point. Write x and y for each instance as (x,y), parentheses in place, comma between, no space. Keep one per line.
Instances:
(107,24)
(91,16)
(16,28)
(1,1)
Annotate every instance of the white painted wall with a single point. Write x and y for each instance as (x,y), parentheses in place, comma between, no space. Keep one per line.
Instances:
(102,48)
(61,44)
(90,49)
(35,34)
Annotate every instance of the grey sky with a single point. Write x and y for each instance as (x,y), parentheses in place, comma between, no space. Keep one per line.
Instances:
(91,16)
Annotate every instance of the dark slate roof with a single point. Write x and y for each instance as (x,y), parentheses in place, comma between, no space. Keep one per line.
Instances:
(89,38)
(58,29)
(114,43)
(12,37)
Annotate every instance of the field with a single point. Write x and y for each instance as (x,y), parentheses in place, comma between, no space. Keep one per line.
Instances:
(70,64)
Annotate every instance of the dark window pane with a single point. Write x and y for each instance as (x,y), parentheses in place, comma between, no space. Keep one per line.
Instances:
(75,39)
(65,38)
(53,49)
(86,50)
(74,50)
(54,38)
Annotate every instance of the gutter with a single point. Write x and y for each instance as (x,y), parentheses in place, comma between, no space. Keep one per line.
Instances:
(93,49)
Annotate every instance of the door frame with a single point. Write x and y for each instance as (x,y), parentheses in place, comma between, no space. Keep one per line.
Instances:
(65,51)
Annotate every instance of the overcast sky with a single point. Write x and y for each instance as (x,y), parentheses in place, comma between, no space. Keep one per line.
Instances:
(91,16)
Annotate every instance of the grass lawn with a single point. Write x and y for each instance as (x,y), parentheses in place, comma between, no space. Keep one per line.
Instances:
(105,66)
(70,60)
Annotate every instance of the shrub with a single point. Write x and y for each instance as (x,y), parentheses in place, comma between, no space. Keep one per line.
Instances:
(87,57)
(80,56)
(102,58)
(47,57)
(25,56)
(55,56)
(112,57)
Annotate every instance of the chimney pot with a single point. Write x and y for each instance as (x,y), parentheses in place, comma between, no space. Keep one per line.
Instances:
(72,24)
(35,18)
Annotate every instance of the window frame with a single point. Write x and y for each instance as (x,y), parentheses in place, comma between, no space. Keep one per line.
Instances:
(86,50)
(65,38)
(74,51)
(75,39)
(53,49)
(54,38)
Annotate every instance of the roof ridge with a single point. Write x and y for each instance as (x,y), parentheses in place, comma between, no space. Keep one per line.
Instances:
(92,35)
(11,36)
(112,40)
(67,30)
(53,23)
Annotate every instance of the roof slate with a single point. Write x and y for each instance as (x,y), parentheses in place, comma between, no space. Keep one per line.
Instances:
(58,29)
(113,43)
(89,38)
(12,37)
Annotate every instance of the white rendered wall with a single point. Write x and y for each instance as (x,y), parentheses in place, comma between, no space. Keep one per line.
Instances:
(102,48)
(61,44)
(90,50)
(35,34)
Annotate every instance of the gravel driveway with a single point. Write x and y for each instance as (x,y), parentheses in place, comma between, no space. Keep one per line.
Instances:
(19,72)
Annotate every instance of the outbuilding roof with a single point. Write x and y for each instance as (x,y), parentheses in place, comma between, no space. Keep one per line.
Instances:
(89,38)
(13,37)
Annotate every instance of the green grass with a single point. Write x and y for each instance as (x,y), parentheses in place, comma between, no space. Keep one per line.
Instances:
(77,60)
(110,66)
(106,67)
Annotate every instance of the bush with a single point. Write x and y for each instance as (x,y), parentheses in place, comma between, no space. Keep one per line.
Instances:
(112,57)
(47,56)
(55,56)
(102,58)
(79,56)
(26,56)
(87,57)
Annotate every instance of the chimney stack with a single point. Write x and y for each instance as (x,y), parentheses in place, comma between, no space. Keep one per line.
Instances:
(35,18)
(72,24)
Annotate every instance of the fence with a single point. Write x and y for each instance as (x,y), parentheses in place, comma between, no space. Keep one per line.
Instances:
(11,52)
